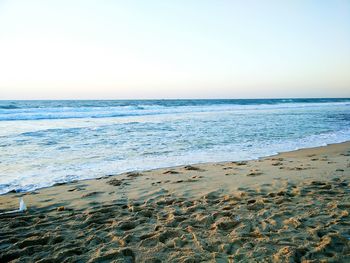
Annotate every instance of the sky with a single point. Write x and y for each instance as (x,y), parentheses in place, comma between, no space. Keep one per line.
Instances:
(174,49)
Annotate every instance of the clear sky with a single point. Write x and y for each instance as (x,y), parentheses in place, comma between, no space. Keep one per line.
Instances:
(174,49)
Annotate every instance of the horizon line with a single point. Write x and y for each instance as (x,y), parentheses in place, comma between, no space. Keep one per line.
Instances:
(144,99)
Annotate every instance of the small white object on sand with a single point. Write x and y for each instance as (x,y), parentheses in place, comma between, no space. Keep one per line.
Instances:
(22,208)
(22,205)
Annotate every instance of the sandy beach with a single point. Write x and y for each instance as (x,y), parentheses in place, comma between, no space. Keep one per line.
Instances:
(174,131)
(292,207)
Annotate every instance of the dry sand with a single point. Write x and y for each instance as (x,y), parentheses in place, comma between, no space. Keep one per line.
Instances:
(292,207)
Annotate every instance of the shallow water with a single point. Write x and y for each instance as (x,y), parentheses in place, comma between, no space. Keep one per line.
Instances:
(45,142)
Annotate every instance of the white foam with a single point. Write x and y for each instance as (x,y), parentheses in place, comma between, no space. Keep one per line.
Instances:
(40,153)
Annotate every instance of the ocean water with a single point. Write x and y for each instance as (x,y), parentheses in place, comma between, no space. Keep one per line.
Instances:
(46,142)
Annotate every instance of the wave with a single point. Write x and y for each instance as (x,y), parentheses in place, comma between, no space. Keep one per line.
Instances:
(43,113)
(8,107)
(38,154)
(220,154)
(7,104)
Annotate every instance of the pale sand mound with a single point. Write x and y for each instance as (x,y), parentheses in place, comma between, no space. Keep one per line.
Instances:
(306,222)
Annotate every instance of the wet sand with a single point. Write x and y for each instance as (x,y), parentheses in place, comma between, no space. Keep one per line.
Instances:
(292,207)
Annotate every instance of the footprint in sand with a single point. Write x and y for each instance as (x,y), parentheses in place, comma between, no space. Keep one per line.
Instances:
(171,172)
(277,163)
(90,194)
(133,174)
(115,182)
(191,180)
(277,159)
(254,172)
(193,168)
(240,163)
(297,168)
(311,155)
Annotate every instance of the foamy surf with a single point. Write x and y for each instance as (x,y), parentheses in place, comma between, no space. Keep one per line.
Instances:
(48,142)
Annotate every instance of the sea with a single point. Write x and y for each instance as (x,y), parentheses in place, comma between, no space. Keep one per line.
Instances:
(45,142)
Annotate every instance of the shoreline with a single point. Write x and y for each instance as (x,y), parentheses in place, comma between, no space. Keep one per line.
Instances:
(13,191)
(289,207)
(160,171)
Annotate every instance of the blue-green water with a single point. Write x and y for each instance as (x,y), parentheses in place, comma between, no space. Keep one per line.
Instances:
(44,142)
